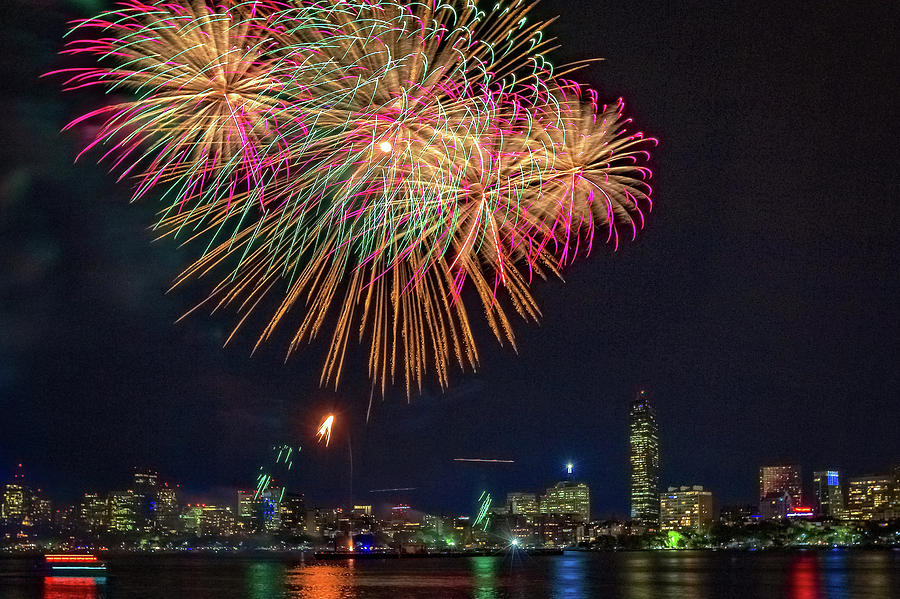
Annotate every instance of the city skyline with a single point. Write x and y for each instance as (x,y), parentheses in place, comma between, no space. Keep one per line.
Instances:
(781,486)
(756,306)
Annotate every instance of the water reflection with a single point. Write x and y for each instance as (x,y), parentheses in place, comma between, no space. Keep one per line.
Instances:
(66,587)
(484,577)
(569,575)
(874,575)
(803,578)
(322,581)
(265,580)
(676,574)
(834,572)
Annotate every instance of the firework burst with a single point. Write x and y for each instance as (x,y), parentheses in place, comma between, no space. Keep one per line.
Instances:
(366,161)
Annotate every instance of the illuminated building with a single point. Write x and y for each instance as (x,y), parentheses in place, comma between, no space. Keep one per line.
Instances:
(247,512)
(775,506)
(399,515)
(560,530)
(190,518)
(781,477)
(567,498)
(12,507)
(686,509)
(523,504)
(293,513)
(828,494)
(167,509)
(123,511)
(270,508)
(644,454)
(895,496)
(215,521)
(95,512)
(869,497)
(362,510)
(144,484)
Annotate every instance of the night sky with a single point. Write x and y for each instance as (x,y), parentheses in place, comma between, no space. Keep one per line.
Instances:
(758,307)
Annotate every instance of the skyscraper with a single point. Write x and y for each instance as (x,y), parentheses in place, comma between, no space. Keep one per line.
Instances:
(644,441)
(829,498)
(781,478)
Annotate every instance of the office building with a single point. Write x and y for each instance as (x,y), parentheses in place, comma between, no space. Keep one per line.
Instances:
(828,494)
(686,509)
(567,498)
(781,478)
(644,457)
(523,504)
(869,497)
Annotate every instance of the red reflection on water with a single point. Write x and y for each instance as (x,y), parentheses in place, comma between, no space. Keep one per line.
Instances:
(65,587)
(803,579)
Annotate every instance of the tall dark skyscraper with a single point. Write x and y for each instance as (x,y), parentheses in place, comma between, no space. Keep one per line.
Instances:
(644,440)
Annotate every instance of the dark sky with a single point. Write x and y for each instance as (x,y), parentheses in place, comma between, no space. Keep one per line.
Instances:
(758,307)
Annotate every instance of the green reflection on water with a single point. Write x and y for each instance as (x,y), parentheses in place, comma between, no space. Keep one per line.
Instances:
(484,577)
(265,580)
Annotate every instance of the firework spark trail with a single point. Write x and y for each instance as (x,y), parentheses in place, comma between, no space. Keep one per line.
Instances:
(324,430)
(366,160)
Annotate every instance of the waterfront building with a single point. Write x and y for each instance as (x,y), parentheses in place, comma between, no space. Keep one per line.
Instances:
(293,513)
(567,498)
(775,506)
(644,458)
(168,509)
(828,494)
(215,521)
(190,518)
(95,512)
(12,503)
(781,478)
(123,511)
(686,508)
(523,504)
(144,486)
(270,508)
(247,510)
(869,497)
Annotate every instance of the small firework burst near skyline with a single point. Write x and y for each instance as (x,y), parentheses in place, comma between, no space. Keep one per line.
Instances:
(363,163)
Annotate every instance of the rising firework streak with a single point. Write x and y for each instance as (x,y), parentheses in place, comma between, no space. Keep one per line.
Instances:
(324,431)
(392,490)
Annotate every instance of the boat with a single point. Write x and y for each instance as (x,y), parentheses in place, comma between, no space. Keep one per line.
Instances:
(73,564)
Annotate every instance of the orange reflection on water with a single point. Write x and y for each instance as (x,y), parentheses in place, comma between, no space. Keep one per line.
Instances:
(64,587)
(321,581)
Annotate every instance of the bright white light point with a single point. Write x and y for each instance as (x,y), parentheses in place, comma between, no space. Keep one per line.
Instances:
(515,542)
(385,146)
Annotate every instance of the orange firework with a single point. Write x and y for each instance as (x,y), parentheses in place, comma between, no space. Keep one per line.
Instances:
(324,431)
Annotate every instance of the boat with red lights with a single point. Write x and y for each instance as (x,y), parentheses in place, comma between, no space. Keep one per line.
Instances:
(73,564)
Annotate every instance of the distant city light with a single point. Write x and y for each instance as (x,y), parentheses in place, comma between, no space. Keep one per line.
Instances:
(569,468)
